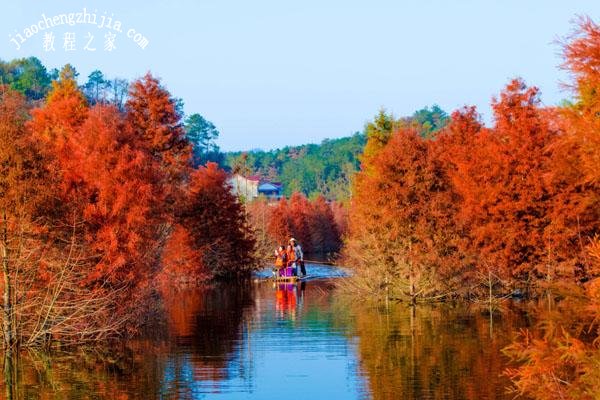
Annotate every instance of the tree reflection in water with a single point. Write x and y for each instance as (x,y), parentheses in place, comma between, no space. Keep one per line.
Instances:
(433,351)
(232,340)
(195,342)
(560,359)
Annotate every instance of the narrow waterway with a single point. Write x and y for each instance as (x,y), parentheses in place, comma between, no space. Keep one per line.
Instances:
(263,340)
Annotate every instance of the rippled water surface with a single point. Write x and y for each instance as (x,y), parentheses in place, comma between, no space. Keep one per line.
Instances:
(266,341)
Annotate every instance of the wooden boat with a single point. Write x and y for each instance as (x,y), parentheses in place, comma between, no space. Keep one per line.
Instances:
(289,279)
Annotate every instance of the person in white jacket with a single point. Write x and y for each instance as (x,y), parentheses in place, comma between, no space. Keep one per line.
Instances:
(299,256)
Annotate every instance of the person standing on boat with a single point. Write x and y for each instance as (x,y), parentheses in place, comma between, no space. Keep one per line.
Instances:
(299,256)
(280,259)
(291,259)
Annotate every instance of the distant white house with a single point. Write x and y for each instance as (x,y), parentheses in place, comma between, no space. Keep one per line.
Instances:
(252,186)
(270,189)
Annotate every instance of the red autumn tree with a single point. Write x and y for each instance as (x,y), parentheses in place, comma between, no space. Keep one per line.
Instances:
(154,120)
(324,233)
(120,198)
(456,148)
(105,187)
(299,217)
(216,224)
(582,59)
(311,223)
(44,247)
(501,182)
(576,155)
(57,122)
(399,205)
(182,262)
(108,180)
(279,227)
(21,205)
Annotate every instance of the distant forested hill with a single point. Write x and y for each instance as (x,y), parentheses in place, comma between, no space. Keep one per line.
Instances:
(312,169)
(327,168)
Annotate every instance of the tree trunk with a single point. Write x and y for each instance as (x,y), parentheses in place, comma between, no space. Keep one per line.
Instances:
(413,292)
(9,377)
(7,295)
(490,286)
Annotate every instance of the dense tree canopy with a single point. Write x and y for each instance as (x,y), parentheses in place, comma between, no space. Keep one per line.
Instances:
(509,208)
(98,201)
(28,76)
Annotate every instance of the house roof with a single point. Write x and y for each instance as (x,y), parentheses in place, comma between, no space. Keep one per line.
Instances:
(261,182)
(268,186)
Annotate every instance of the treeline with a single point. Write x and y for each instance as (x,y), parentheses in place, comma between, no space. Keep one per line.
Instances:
(316,224)
(312,169)
(98,205)
(27,76)
(32,79)
(323,169)
(476,210)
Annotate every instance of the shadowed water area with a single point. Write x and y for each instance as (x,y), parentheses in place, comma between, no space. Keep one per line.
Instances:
(262,340)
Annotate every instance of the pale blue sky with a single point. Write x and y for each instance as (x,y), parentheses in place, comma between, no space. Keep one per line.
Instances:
(271,73)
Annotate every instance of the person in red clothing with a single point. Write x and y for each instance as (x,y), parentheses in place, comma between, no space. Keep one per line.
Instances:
(280,260)
(291,258)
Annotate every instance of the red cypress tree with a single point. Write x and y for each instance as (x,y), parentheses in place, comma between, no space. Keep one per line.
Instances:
(154,121)
(155,118)
(501,181)
(182,262)
(279,227)
(325,236)
(576,155)
(120,198)
(216,224)
(57,122)
(399,203)
(299,217)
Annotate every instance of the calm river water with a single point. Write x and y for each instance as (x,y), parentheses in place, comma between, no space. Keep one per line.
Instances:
(266,341)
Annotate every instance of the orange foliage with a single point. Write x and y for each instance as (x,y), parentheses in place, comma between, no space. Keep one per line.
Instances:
(323,228)
(223,238)
(514,204)
(57,122)
(279,227)
(401,217)
(505,201)
(118,196)
(182,262)
(576,176)
(559,358)
(311,223)
(156,126)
